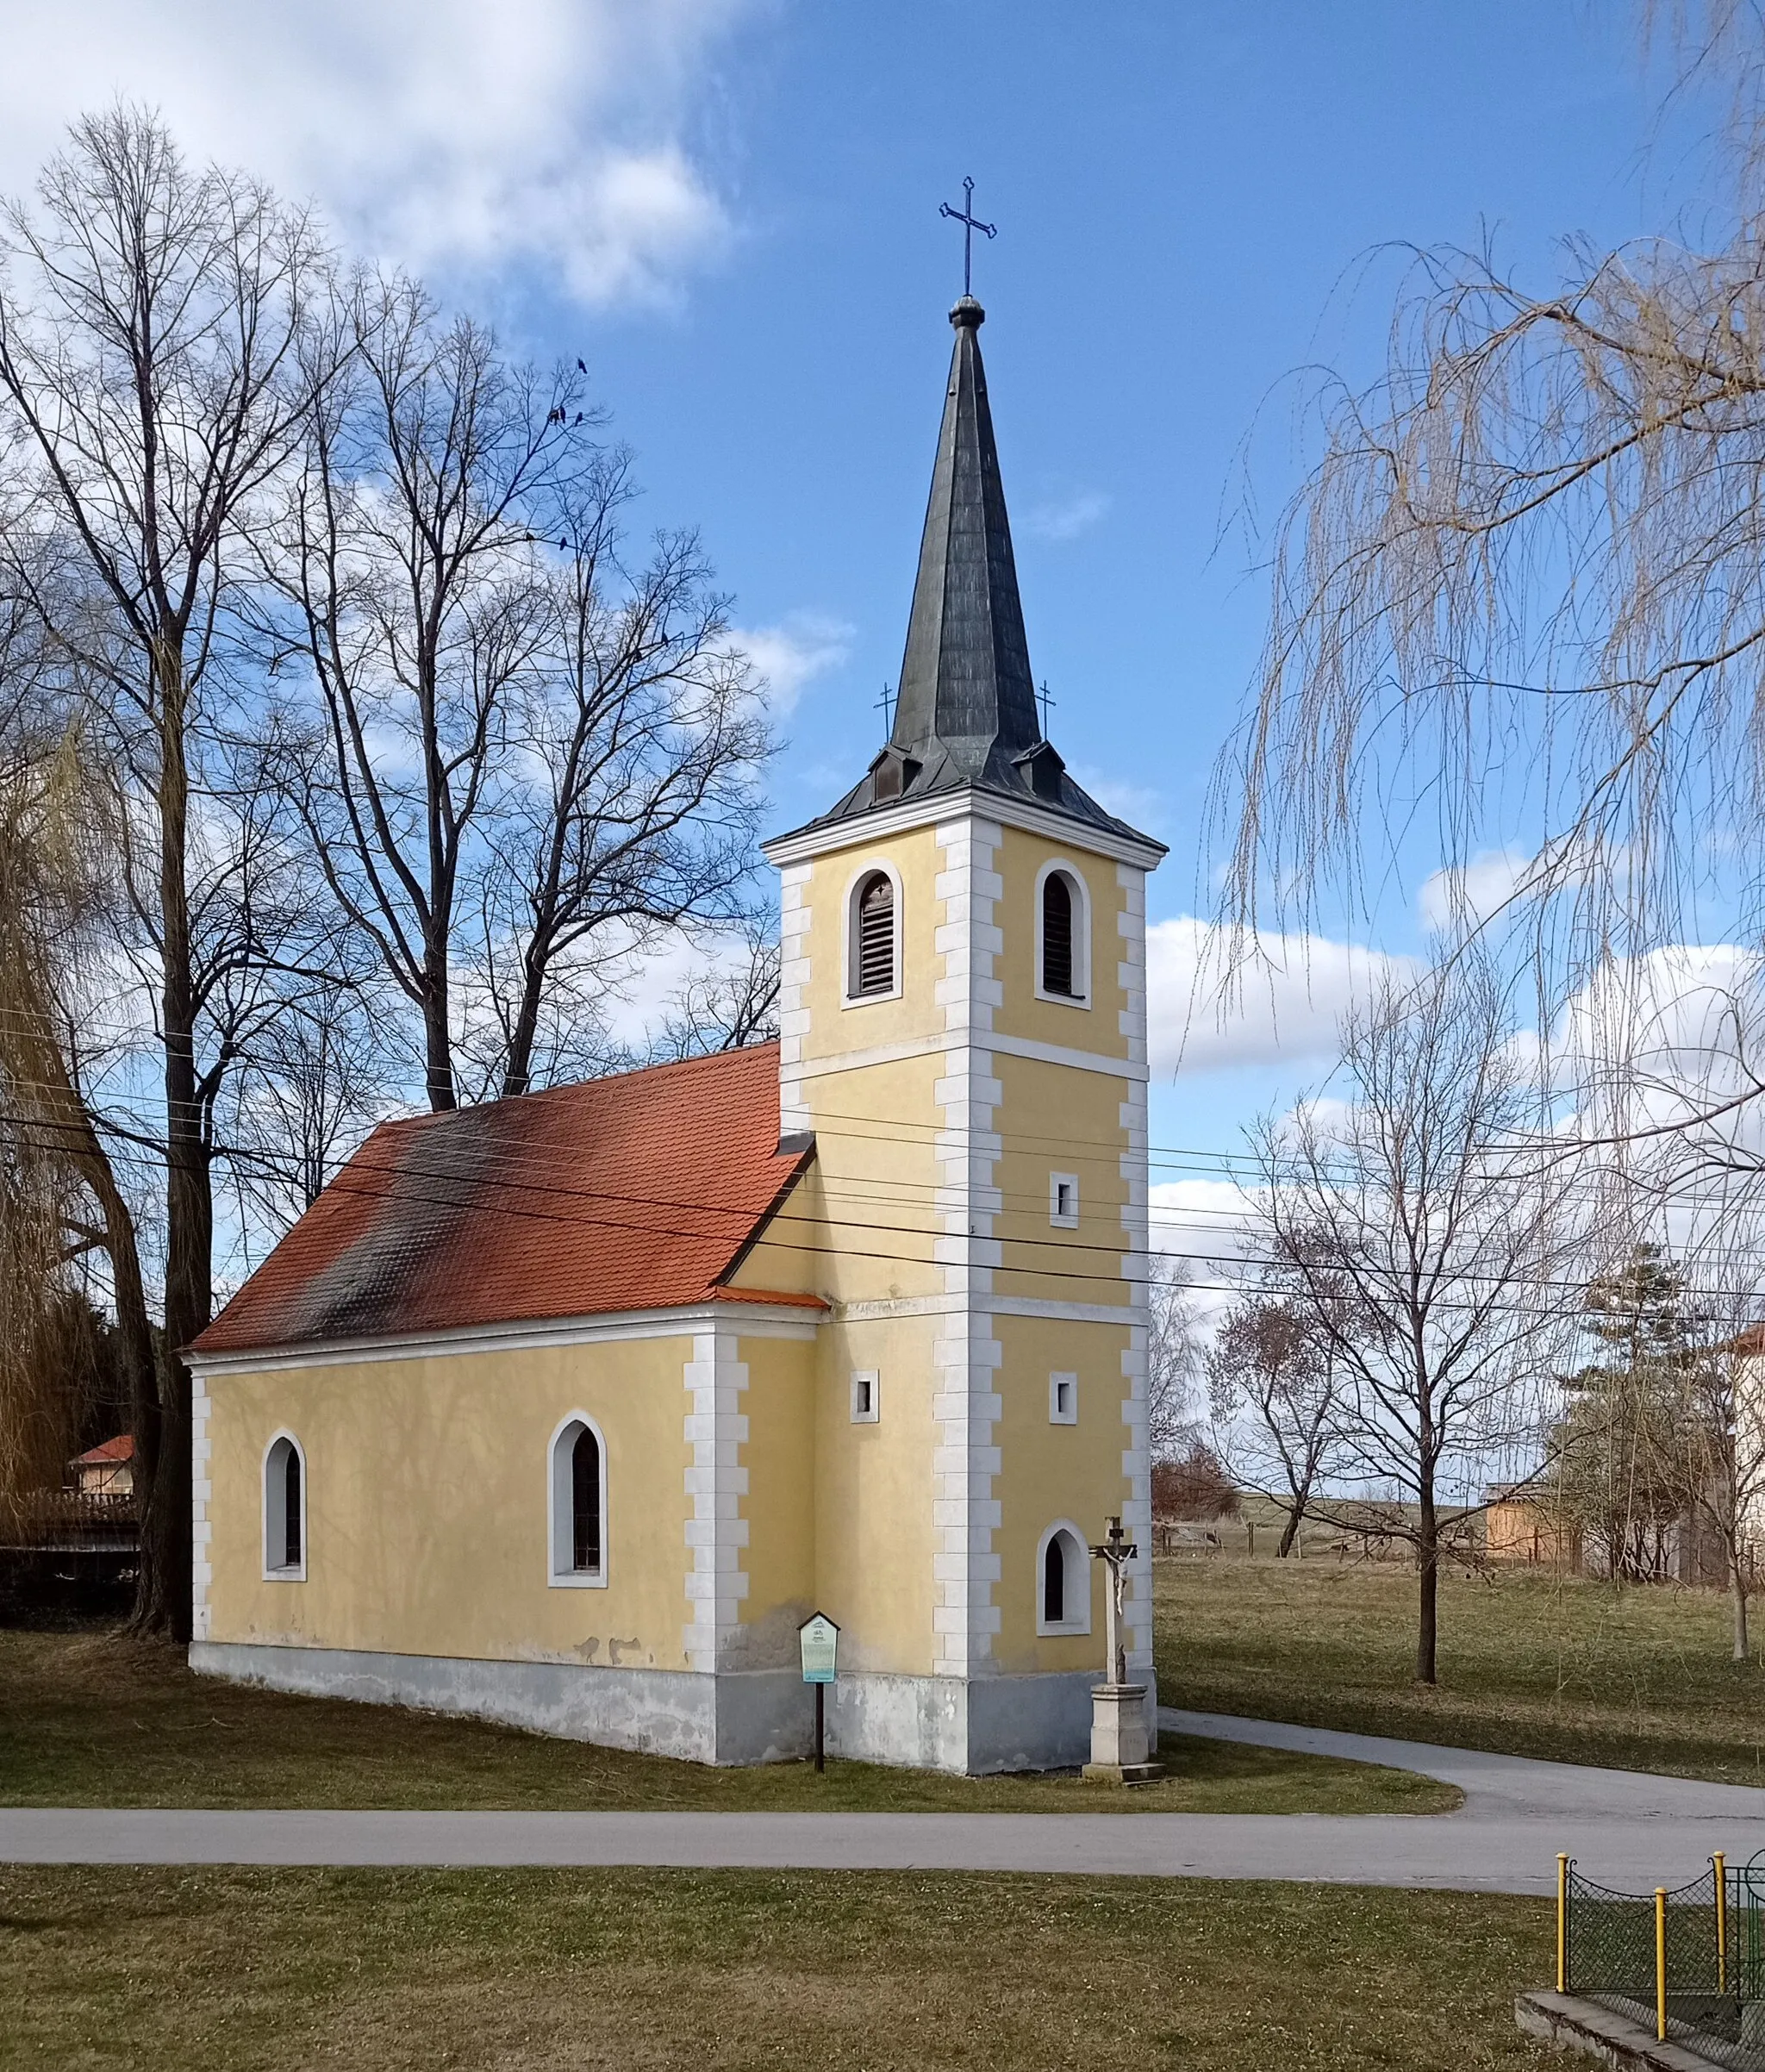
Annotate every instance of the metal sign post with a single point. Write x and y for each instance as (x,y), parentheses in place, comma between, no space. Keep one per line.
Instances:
(818,1641)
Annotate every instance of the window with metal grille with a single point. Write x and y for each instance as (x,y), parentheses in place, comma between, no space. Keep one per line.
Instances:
(1056,934)
(576,1510)
(585,1503)
(873,944)
(291,1536)
(284,1512)
(1054,1581)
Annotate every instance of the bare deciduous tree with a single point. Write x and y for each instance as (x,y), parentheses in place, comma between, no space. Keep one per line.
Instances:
(727,1004)
(531,757)
(153,378)
(1425,1247)
(1273,1381)
(1173,1360)
(402,551)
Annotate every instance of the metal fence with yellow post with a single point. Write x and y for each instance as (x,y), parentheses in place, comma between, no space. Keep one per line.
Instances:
(1689,1962)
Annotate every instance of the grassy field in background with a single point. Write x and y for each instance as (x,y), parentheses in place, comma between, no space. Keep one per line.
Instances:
(97,1719)
(1574,1670)
(376,1971)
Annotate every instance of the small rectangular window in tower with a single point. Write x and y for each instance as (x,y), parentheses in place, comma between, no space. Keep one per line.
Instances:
(1063,1399)
(1063,1201)
(866,1399)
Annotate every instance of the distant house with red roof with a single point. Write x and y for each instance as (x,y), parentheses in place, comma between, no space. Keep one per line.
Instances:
(106,1469)
(569,1410)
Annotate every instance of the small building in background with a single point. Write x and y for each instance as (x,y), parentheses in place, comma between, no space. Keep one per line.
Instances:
(106,1470)
(1525,1526)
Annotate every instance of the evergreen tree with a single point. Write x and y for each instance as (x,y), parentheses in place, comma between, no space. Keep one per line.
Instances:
(1632,1448)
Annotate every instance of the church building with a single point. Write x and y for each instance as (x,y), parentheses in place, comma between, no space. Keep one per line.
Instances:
(569,1410)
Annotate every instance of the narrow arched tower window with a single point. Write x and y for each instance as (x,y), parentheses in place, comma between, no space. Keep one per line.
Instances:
(873,936)
(1056,934)
(585,1503)
(1054,1581)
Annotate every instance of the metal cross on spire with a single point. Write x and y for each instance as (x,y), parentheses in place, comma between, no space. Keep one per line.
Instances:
(971,222)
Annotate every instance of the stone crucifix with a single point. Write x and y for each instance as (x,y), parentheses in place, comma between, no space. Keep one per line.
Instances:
(1116,1552)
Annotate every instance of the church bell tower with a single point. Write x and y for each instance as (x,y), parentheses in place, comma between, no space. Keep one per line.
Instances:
(963,1033)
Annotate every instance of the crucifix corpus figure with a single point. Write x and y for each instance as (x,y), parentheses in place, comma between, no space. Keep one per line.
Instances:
(1116,1552)
(1121,1735)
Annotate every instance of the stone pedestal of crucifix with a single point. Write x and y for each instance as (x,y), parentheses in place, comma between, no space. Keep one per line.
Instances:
(1121,1740)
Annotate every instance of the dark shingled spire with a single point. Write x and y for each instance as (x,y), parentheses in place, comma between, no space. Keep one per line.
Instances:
(965,714)
(965,683)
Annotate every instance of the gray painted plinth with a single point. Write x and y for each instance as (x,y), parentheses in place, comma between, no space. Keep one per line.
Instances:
(1564,2022)
(738,1716)
(744,1716)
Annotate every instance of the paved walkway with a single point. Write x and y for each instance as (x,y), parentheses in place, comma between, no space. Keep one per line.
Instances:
(1625,1829)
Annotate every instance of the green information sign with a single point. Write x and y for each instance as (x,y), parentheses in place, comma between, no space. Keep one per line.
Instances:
(818,1639)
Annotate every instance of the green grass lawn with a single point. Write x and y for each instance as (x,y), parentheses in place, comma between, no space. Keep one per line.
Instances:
(95,1719)
(274,1970)
(1573,1670)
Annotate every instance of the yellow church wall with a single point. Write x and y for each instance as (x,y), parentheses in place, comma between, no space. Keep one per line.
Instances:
(1055,1118)
(834,1026)
(874,1530)
(779,1456)
(862,1218)
(1054,1471)
(426,1504)
(1094,1027)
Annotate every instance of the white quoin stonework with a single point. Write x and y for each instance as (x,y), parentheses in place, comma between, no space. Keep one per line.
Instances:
(202,1494)
(793,991)
(1136,1460)
(967,1407)
(716,1430)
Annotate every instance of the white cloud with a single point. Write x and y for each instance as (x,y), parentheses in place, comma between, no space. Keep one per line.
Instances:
(1066,517)
(790,655)
(1139,805)
(1283,1008)
(443,134)
(1473,892)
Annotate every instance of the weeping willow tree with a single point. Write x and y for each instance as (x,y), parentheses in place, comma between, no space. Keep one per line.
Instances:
(67,1224)
(1524,587)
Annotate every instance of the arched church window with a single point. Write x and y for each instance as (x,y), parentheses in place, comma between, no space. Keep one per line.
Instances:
(874,937)
(284,1510)
(1063,1581)
(1063,936)
(578,1503)
(1054,1581)
(585,1503)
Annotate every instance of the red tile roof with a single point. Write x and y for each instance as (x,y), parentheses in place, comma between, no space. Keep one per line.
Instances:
(109,1454)
(641,1191)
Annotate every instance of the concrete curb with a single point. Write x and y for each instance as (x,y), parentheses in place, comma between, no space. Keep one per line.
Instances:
(1562,2022)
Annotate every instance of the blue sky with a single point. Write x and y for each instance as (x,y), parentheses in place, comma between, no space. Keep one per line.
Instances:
(730,211)
(1191,204)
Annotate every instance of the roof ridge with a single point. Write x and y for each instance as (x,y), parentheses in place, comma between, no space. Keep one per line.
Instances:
(571,1086)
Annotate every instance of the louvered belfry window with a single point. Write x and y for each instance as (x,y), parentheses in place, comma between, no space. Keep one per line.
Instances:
(1056,934)
(873,951)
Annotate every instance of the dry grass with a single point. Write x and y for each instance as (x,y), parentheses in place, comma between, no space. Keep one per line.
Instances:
(267,1971)
(1576,1670)
(95,1720)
